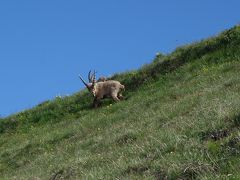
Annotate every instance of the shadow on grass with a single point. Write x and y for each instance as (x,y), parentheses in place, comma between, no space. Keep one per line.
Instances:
(218,134)
(66,173)
(22,157)
(126,139)
(137,169)
(193,170)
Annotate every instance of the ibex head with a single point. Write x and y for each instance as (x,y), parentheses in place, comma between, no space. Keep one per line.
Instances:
(92,82)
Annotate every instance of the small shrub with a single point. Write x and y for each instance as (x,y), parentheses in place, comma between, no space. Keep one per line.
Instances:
(8,124)
(214,147)
(236,120)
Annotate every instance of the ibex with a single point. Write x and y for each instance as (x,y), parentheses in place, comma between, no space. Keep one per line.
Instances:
(103,88)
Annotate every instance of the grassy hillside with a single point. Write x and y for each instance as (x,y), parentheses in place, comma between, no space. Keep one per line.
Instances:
(180,120)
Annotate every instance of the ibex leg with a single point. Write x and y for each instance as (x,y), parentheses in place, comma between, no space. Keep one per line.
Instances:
(120,96)
(95,102)
(115,98)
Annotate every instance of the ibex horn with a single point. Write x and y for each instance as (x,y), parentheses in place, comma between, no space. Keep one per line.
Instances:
(94,77)
(83,81)
(89,77)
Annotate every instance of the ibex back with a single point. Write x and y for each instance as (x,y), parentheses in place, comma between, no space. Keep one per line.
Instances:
(103,89)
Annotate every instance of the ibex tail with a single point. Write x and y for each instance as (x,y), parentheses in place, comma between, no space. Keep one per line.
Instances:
(122,87)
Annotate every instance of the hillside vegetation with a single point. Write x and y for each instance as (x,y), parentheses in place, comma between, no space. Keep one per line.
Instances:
(180,120)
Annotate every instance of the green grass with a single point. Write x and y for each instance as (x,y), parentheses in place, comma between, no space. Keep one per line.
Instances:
(180,120)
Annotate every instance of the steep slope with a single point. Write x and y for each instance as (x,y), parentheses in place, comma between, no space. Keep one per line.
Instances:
(181,119)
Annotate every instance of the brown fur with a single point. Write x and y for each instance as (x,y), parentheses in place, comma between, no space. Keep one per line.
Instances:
(102,79)
(107,89)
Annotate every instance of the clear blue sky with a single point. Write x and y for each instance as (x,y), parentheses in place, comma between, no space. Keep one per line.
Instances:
(45,44)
